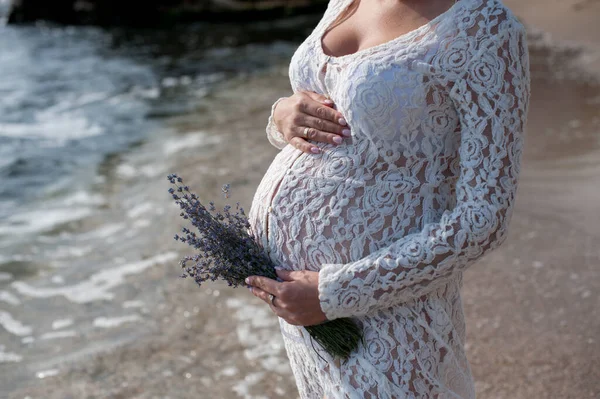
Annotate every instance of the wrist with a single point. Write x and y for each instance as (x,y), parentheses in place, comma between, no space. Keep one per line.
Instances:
(274,110)
(324,289)
(273,133)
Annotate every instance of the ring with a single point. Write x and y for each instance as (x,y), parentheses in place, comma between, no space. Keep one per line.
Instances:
(271,298)
(306,132)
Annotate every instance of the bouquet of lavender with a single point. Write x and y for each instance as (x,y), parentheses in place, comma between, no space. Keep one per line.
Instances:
(228,251)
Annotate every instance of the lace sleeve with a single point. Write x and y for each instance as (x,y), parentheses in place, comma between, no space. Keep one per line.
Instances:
(491,95)
(274,136)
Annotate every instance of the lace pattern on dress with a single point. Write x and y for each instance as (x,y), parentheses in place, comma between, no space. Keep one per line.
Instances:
(424,188)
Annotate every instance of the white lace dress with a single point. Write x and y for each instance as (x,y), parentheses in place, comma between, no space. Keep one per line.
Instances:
(393,216)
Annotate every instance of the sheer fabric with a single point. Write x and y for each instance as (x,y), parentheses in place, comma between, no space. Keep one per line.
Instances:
(393,216)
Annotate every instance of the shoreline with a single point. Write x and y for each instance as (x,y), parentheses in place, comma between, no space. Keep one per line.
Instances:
(531,305)
(569,26)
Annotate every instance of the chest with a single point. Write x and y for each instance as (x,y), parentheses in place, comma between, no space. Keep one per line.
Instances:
(381,90)
(361,24)
(380,85)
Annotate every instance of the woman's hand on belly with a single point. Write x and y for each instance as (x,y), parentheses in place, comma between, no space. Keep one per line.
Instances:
(296,297)
(311,112)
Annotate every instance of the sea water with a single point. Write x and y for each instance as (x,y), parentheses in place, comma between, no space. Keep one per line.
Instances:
(86,143)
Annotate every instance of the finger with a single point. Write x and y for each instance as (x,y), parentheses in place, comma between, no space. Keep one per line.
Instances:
(290,275)
(275,307)
(325,125)
(317,109)
(264,283)
(304,145)
(328,129)
(262,294)
(317,135)
(322,99)
(319,97)
(285,275)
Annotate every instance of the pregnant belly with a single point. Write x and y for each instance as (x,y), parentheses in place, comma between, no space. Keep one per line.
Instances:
(310,210)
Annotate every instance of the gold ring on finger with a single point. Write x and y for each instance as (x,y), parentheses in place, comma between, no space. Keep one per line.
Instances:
(306,132)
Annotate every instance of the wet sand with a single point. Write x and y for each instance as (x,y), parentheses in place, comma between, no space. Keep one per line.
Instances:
(532,306)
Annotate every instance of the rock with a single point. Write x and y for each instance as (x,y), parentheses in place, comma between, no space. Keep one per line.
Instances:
(61,11)
(151,13)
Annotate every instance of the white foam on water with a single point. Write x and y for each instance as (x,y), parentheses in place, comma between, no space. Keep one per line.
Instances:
(61,323)
(189,141)
(243,387)
(256,324)
(70,252)
(6,162)
(111,322)
(228,371)
(103,232)
(5,7)
(133,304)
(169,82)
(76,101)
(54,127)
(46,373)
(151,93)
(7,297)
(97,286)
(140,209)
(58,335)
(19,258)
(13,325)
(153,170)
(82,198)
(58,279)
(141,223)
(126,171)
(40,221)
(8,357)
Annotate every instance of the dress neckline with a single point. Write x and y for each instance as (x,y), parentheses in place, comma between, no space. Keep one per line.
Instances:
(408,35)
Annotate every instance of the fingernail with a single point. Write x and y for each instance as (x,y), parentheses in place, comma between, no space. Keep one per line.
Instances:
(346,132)
(328,101)
(342,121)
(314,150)
(278,268)
(337,139)
(247,281)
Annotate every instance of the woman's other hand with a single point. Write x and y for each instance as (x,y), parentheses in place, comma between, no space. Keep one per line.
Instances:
(296,298)
(311,110)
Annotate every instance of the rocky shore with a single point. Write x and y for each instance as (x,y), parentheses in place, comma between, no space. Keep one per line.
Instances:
(135,13)
(532,306)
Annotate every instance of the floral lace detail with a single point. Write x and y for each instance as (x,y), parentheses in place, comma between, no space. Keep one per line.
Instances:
(274,136)
(392,217)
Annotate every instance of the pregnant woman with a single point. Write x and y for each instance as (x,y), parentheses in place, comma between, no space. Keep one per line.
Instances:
(399,163)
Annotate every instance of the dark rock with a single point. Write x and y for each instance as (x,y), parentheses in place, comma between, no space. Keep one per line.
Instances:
(61,11)
(151,13)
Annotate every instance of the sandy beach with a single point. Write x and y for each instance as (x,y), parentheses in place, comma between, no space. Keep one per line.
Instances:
(532,306)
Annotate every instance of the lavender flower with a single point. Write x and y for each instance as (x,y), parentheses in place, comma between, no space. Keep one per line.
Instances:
(227,250)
